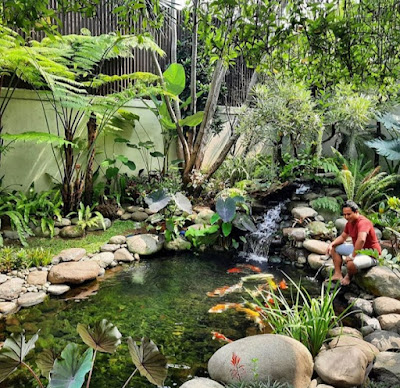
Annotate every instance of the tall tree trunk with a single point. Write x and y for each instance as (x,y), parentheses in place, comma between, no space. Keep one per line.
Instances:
(92,135)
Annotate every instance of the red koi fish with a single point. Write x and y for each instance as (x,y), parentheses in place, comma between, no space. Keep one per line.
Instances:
(234,270)
(283,285)
(250,267)
(220,337)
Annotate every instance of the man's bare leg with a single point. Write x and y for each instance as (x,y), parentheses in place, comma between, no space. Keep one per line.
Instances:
(351,271)
(337,263)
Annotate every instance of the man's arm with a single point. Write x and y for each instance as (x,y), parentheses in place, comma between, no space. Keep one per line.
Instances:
(338,240)
(361,238)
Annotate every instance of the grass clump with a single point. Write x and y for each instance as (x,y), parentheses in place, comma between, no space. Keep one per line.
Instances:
(23,258)
(301,316)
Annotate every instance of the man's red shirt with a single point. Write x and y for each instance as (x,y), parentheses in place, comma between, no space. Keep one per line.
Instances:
(363,224)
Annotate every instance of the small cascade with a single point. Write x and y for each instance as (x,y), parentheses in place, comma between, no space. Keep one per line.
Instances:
(258,242)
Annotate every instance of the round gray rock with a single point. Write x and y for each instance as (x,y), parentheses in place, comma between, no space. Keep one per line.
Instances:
(72,231)
(58,289)
(303,212)
(384,340)
(387,368)
(280,358)
(390,322)
(109,247)
(340,224)
(139,216)
(123,255)
(117,240)
(144,244)
(31,299)
(11,288)
(201,382)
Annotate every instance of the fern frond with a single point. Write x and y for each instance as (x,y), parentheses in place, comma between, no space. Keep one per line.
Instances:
(327,203)
(371,174)
(38,137)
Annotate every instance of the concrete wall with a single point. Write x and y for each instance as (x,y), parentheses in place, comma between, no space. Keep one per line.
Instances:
(28,162)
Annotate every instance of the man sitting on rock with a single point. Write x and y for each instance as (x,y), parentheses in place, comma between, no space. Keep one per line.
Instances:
(362,232)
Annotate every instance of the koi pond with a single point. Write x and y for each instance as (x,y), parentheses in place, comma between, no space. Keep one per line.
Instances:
(163,298)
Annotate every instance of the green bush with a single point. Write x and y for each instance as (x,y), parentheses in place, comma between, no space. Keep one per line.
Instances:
(16,259)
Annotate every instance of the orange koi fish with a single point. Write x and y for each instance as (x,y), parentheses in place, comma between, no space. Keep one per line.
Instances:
(283,285)
(250,267)
(220,308)
(252,315)
(221,291)
(272,284)
(220,337)
(234,270)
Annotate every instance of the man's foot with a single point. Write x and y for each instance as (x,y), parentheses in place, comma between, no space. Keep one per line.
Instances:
(345,281)
(337,277)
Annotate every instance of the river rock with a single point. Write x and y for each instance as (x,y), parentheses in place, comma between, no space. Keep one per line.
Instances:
(379,281)
(73,272)
(117,240)
(316,246)
(11,288)
(201,382)
(340,224)
(3,278)
(71,254)
(311,196)
(13,234)
(294,204)
(302,213)
(37,278)
(333,192)
(390,322)
(384,305)
(99,225)
(387,368)
(297,234)
(204,216)
(361,304)
(58,289)
(103,259)
(126,216)
(123,255)
(348,341)
(279,358)
(342,367)
(72,231)
(110,247)
(319,230)
(178,244)
(139,216)
(366,320)
(384,340)
(8,307)
(31,299)
(38,232)
(145,244)
(63,222)
(345,331)
(132,209)
(316,261)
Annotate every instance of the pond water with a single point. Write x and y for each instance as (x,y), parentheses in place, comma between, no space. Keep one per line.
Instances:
(161,298)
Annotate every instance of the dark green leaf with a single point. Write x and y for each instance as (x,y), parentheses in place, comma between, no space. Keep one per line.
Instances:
(149,361)
(130,165)
(104,337)
(157,200)
(157,154)
(45,362)
(112,172)
(121,140)
(14,352)
(226,209)
(122,158)
(70,372)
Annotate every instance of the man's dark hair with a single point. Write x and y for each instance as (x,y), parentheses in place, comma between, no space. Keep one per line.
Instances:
(352,205)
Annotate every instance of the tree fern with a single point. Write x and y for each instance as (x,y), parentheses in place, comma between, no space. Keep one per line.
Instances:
(37,137)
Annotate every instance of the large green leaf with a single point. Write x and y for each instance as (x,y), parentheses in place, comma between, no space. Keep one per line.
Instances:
(183,203)
(104,337)
(243,222)
(226,228)
(157,200)
(149,361)
(71,371)
(193,120)
(388,148)
(226,208)
(38,137)
(14,352)
(174,78)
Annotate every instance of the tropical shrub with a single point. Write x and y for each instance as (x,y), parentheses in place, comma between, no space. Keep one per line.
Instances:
(88,217)
(302,317)
(16,259)
(71,369)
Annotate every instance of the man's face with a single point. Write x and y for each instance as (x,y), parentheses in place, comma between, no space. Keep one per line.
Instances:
(349,214)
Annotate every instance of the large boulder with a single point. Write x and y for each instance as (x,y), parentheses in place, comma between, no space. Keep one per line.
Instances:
(11,289)
(379,281)
(145,244)
(387,368)
(201,382)
(384,340)
(342,367)
(72,231)
(279,358)
(303,212)
(316,246)
(340,224)
(71,254)
(73,272)
(384,305)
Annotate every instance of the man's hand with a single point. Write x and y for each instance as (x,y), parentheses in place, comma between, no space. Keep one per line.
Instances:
(329,249)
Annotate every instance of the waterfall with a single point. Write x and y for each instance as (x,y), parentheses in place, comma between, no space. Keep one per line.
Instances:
(258,242)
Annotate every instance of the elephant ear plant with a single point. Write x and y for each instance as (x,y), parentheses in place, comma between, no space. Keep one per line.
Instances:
(70,371)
